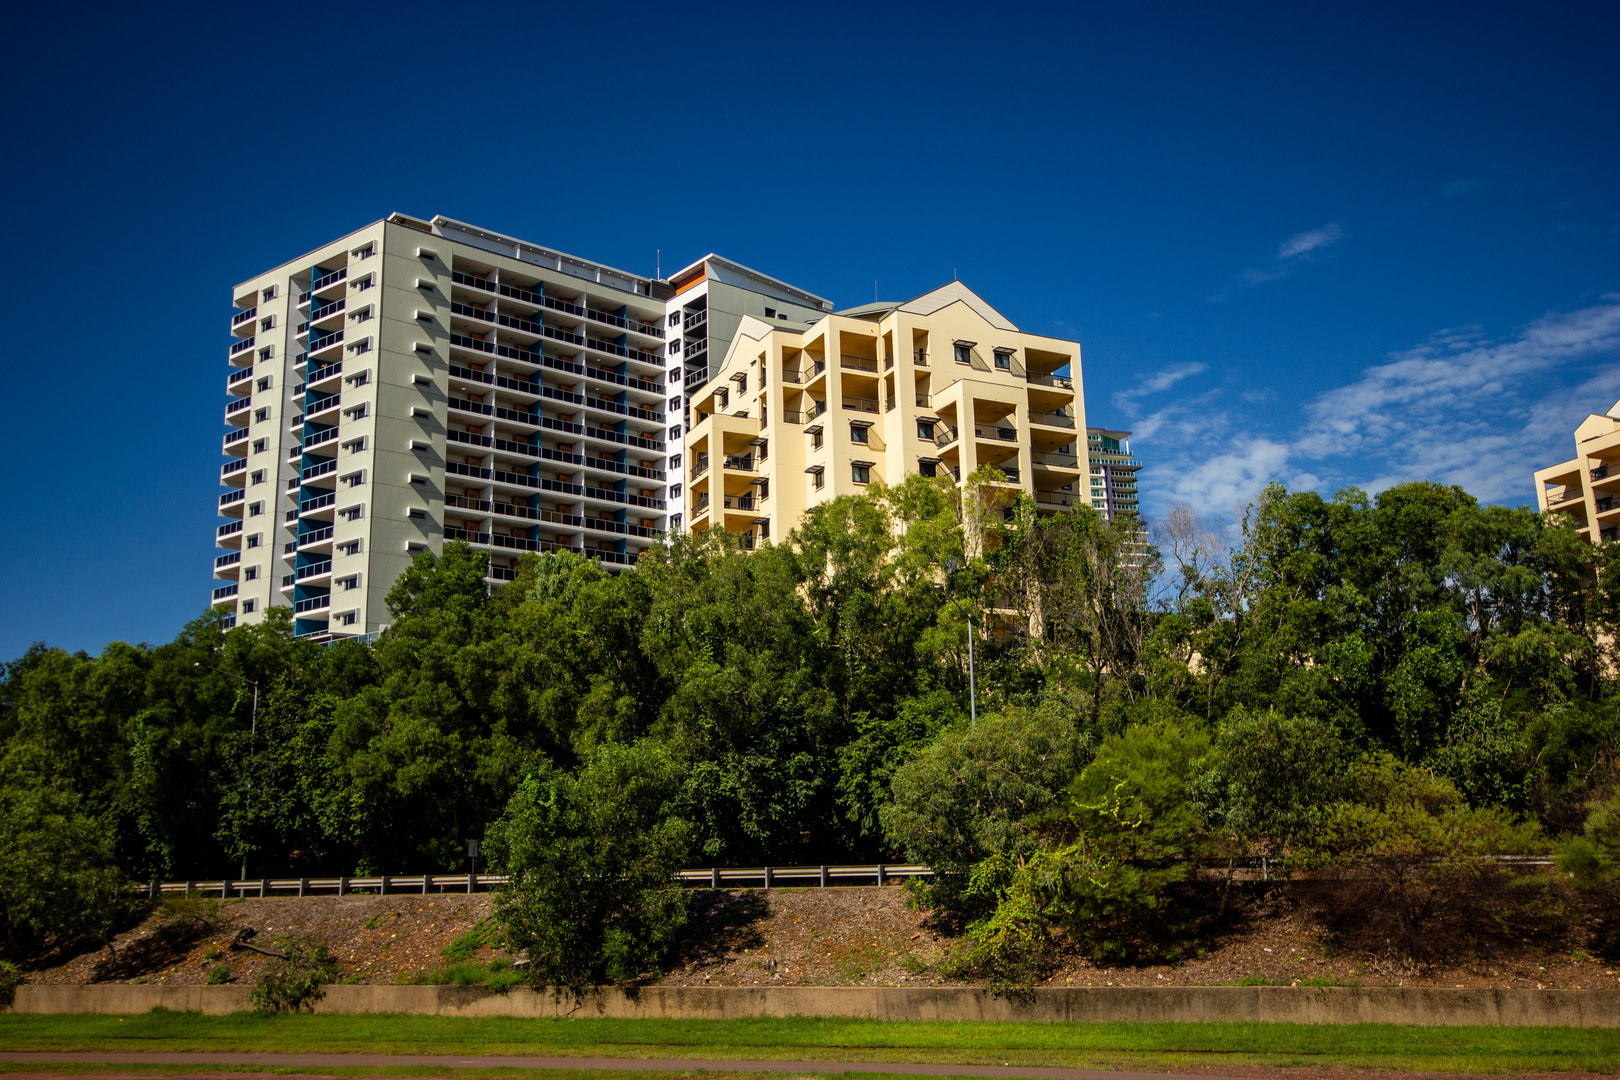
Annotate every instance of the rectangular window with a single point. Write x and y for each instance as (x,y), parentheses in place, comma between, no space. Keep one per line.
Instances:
(349,583)
(763,489)
(255,509)
(268,294)
(363,346)
(964,355)
(857,433)
(356,413)
(250,573)
(362,315)
(820,479)
(366,251)
(354,480)
(253,541)
(260,445)
(263,384)
(354,446)
(359,378)
(248,606)
(347,618)
(928,468)
(261,415)
(815,439)
(351,513)
(861,474)
(925,430)
(764,449)
(349,547)
(361,284)
(267,323)
(256,476)
(1003,361)
(770,313)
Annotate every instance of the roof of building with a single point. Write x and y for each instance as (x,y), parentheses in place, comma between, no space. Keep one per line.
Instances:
(953,293)
(721,268)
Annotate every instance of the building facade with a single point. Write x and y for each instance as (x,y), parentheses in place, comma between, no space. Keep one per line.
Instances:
(1587,486)
(941,385)
(423,380)
(1113,472)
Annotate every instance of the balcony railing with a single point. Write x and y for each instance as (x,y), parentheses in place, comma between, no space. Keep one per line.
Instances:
(859,404)
(232,466)
(314,603)
(314,537)
(327,309)
(317,502)
(1051,419)
(1055,461)
(238,405)
(243,316)
(228,559)
(1058,381)
(541,300)
(329,279)
(236,436)
(228,528)
(740,502)
(739,463)
(238,376)
(1055,498)
(700,465)
(231,497)
(242,346)
(945,436)
(921,359)
(225,590)
(320,437)
(792,416)
(320,403)
(326,372)
(313,570)
(701,502)
(925,401)
(858,363)
(320,469)
(995,431)
(1600,472)
(325,341)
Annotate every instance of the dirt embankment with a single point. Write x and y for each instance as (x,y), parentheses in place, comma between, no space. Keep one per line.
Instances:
(816,937)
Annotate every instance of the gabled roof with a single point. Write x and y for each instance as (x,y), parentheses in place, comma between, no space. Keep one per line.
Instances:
(954,293)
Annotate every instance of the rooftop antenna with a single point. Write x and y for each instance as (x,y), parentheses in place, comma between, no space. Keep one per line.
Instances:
(658,261)
(874,290)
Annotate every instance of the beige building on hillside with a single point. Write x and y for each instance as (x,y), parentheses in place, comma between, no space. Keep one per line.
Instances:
(1586,486)
(940,385)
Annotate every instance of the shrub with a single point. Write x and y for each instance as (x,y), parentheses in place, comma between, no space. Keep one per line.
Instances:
(296,983)
(10,979)
(464,946)
(219,974)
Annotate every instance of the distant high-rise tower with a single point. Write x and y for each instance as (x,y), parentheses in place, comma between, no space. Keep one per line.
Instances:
(1113,472)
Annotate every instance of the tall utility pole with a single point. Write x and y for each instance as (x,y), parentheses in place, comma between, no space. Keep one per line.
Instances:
(253,734)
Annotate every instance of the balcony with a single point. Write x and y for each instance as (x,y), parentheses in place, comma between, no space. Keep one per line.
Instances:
(921,359)
(228,529)
(327,309)
(225,590)
(700,503)
(238,377)
(314,603)
(231,497)
(925,401)
(1054,461)
(945,437)
(313,537)
(1051,419)
(241,346)
(321,374)
(320,469)
(231,467)
(332,278)
(243,316)
(237,406)
(540,300)
(320,502)
(700,465)
(319,437)
(1055,381)
(319,403)
(858,363)
(313,570)
(230,559)
(740,502)
(325,341)
(239,435)
(739,463)
(996,432)
(1060,500)
(860,404)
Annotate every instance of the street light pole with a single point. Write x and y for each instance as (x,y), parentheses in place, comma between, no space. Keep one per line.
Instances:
(253,734)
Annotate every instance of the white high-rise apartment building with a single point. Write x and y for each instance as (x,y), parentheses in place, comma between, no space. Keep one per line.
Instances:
(419,381)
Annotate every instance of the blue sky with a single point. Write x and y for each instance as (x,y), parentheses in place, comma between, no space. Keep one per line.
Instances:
(1323,244)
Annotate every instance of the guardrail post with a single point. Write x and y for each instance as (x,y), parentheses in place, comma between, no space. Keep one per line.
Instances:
(714,877)
(191,887)
(767,877)
(225,889)
(823,877)
(264,886)
(303,886)
(152,893)
(880,875)
(425,879)
(343,885)
(382,885)
(472,880)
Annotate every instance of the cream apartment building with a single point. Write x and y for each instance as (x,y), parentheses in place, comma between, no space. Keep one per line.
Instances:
(940,385)
(1587,486)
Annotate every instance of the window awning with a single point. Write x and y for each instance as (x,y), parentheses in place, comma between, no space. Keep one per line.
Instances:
(965,344)
(816,469)
(860,423)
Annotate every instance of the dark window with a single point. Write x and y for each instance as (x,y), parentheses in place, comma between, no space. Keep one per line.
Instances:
(857,433)
(815,439)
(928,468)
(861,474)
(925,430)
(1003,361)
(963,355)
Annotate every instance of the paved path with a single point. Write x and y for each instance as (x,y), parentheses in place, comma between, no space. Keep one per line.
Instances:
(452,1061)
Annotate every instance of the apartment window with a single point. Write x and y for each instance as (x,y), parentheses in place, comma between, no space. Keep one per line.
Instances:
(255,509)
(964,354)
(267,352)
(861,474)
(815,439)
(928,468)
(359,347)
(1003,361)
(362,284)
(263,384)
(763,370)
(256,476)
(354,479)
(675,519)
(675,319)
(925,430)
(359,378)
(248,606)
(268,294)
(250,573)
(356,413)
(349,583)
(857,433)
(770,313)
(354,446)
(674,432)
(267,323)
(366,251)
(742,385)
(349,547)
(253,541)
(675,346)
(351,513)
(762,489)
(260,445)
(362,315)
(261,415)
(347,618)
(818,479)
(764,413)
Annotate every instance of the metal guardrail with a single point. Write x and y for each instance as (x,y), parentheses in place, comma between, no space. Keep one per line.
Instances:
(713,877)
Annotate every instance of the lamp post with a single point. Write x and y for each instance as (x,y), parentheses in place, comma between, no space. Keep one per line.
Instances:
(973,691)
(253,732)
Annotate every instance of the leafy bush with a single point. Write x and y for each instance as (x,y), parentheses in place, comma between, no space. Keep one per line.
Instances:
(219,974)
(1406,870)
(296,983)
(10,979)
(58,878)
(592,858)
(465,945)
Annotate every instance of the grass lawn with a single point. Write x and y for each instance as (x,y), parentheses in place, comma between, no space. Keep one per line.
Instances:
(1108,1046)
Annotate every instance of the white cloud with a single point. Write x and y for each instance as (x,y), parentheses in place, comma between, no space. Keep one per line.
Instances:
(1155,384)
(1305,242)
(1460,409)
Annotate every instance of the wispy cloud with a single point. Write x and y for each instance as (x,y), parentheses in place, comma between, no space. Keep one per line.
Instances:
(1292,253)
(1458,409)
(1158,383)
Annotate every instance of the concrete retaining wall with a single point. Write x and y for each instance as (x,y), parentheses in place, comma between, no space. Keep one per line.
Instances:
(1305,1005)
